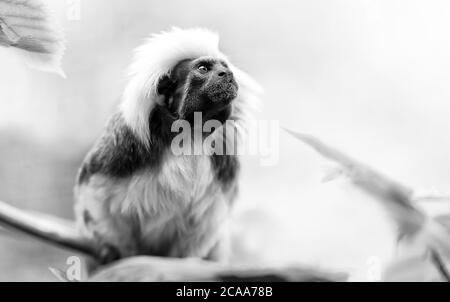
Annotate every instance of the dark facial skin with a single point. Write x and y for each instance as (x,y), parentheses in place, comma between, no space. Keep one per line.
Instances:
(203,85)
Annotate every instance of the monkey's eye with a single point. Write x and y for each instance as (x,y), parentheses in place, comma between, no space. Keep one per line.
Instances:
(203,69)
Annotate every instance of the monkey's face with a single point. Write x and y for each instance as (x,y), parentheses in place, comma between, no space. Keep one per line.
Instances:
(204,85)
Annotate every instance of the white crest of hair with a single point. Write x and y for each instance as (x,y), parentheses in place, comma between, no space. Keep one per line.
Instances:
(156,57)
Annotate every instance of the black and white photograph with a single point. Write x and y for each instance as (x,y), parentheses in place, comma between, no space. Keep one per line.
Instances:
(233,141)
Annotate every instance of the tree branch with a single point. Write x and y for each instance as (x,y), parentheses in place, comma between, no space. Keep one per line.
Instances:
(147,269)
(61,232)
(51,229)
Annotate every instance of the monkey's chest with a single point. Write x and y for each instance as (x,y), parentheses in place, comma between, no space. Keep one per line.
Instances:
(179,202)
(181,182)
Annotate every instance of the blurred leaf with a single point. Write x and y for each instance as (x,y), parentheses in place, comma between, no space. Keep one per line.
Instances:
(411,267)
(416,230)
(395,197)
(332,172)
(444,220)
(59,274)
(28,26)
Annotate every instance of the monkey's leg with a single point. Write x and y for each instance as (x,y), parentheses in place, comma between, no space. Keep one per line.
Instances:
(99,217)
(107,246)
(113,234)
(204,234)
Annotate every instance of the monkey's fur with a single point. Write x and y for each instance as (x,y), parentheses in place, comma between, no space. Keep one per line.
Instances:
(133,194)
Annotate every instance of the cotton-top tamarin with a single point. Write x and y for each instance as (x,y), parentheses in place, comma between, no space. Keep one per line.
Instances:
(134,195)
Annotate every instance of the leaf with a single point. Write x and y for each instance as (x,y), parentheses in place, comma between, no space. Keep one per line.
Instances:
(444,219)
(29,27)
(415,227)
(393,195)
(413,266)
(59,274)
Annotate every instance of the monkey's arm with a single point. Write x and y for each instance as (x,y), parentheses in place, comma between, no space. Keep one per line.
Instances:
(117,153)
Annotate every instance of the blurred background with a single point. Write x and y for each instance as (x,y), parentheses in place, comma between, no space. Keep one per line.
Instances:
(369,77)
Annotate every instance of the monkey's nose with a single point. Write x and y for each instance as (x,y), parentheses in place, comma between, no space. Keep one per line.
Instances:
(223,72)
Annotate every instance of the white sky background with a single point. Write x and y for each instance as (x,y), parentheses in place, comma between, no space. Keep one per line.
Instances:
(369,77)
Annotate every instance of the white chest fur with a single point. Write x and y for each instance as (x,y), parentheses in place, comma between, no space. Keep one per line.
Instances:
(181,182)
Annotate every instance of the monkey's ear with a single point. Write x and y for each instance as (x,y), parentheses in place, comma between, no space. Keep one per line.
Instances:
(166,86)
